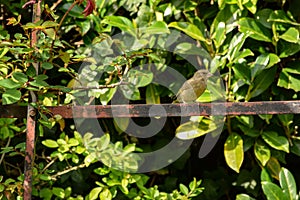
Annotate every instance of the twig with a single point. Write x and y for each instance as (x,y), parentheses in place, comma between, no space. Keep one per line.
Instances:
(54,177)
(7,144)
(55,4)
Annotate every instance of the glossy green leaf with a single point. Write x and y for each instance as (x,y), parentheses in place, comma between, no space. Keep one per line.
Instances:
(291,35)
(105,194)
(262,152)
(260,64)
(140,78)
(11,96)
(47,65)
(251,5)
(243,54)
(272,191)
(107,95)
(9,84)
(280,16)
(274,167)
(59,192)
(288,184)
(265,176)
(183,189)
(235,46)
(229,15)
(243,197)
(262,82)
(20,77)
(286,49)
(189,29)
(120,22)
(152,94)
(256,30)
(289,80)
(233,151)
(197,127)
(94,194)
(158,27)
(277,142)
(220,35)
(186,48)
(262,16)
(50,143)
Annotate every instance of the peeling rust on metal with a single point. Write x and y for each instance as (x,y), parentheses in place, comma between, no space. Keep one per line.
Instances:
(29,154)
(172,110)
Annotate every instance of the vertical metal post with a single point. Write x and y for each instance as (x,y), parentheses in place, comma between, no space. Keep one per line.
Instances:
(31,113)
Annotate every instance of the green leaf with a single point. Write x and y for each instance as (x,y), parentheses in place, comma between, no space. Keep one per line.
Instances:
(288,184)
(243,197)
(262,82)
(262,152)
(277,142)
(291,35)
(272,191)
(235,46)
(73,142)
(260,64)
(105,194)
(120,22)
(281,17)
(288,80)
(20,77)
(103,142)
(256,30)
(229,15)
(107,95)
(59,192)
(233,151)
(11,96)
(220,35)
(139,78)
(197,127)
(50,143)
(262,16)
(9,84)
(47,65)
(158,27)
(186,48)
(265,176)
(183,189)
(189,29)
(286,49)
(94,194)
(152,94)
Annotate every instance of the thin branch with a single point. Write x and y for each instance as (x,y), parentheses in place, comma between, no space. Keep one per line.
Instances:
(7,144)
(54,177)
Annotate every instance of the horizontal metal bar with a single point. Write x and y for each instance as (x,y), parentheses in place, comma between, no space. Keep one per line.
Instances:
(164,110)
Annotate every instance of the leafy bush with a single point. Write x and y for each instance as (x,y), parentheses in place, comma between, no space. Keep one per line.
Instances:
(119,54)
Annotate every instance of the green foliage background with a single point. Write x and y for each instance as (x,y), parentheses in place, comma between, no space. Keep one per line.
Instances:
(254,44)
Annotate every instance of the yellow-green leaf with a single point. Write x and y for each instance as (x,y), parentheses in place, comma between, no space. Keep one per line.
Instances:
(233,151)
(189,29)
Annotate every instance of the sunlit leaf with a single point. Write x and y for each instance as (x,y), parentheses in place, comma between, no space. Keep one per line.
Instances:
(274,140)
(233,151)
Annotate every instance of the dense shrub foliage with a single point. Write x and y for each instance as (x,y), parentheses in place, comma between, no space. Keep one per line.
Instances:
(120,50)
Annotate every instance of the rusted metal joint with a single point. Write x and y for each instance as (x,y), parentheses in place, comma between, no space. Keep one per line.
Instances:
(32,112)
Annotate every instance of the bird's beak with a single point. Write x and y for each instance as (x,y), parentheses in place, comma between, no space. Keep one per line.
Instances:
(209,74)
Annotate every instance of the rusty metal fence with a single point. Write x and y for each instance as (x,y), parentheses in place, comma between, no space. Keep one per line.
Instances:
(137,110)
(132,110)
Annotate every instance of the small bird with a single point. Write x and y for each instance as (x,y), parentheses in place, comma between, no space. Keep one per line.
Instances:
(194,87)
